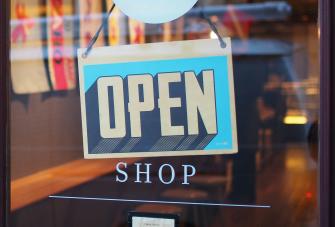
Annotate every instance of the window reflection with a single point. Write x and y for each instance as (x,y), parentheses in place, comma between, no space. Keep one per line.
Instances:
(276,69)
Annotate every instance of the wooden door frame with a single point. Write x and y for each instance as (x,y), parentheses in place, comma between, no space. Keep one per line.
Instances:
(4,112)
(327,114)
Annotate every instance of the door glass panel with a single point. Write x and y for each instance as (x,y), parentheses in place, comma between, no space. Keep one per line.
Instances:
(271,181)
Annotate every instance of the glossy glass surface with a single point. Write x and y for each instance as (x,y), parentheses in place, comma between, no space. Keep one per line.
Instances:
(272,181)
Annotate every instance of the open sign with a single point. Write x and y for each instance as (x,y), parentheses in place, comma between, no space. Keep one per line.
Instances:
(164,99)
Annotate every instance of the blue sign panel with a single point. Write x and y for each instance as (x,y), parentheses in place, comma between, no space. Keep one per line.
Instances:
(154,104)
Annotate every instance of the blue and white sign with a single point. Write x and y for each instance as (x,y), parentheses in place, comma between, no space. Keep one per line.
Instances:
(162,99)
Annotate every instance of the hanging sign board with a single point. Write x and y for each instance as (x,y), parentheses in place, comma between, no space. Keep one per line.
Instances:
(162,99)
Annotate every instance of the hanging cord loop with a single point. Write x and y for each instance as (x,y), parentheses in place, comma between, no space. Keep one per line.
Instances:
(96,36)
(105,21)
(213,28)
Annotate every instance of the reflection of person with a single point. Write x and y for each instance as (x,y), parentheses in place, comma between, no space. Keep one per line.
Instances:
(272,108)
(259,103)
(249,81)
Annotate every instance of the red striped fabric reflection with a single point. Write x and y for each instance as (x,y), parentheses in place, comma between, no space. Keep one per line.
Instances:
(60,44)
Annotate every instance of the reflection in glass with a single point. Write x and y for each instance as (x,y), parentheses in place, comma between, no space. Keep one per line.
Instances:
(276,70)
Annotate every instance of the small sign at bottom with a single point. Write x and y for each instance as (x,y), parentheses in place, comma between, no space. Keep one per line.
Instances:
(152,220)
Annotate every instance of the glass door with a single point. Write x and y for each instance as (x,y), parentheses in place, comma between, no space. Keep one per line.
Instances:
(271,181)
